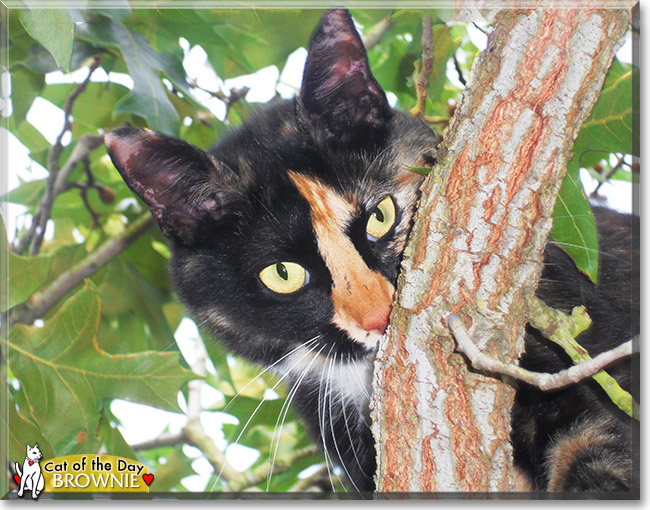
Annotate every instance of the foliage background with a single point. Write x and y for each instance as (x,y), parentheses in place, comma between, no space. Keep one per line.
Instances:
(113,335)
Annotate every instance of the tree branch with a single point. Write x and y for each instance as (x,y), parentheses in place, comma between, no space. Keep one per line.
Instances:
(422,80)
(36,233)
(373,36)
(476,249)
(459,71)
(86,144)
(161,440)
(562,329)
(41,303)
(542,380)
(196,435)
(194,431)
(308,484)
(607,176)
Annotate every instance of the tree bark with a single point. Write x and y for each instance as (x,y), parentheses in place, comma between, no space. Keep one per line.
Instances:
(477,245)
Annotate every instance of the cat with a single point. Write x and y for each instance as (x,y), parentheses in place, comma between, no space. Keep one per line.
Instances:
(286,241)
(31,477)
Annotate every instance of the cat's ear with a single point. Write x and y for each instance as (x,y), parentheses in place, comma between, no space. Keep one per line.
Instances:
(181,184)
(339,94)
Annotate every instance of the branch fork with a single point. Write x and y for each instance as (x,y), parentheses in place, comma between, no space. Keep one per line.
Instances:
(561,329)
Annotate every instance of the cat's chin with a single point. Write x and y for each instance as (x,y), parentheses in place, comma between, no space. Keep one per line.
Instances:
(367,339)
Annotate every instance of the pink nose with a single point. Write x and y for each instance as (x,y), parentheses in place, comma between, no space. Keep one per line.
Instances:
(378,319)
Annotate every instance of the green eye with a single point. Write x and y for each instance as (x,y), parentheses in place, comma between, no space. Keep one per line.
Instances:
(381,220)
(284,277)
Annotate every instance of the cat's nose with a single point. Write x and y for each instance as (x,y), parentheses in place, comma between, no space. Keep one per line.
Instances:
(378,319)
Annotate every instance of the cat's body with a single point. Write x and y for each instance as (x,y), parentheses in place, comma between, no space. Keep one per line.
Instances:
(287,238)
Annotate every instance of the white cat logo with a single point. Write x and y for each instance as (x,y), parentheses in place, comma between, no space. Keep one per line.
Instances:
(31,477)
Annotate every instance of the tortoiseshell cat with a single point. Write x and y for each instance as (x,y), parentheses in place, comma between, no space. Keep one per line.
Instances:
(287,238)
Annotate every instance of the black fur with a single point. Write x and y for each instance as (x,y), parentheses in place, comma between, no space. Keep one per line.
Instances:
(232,211)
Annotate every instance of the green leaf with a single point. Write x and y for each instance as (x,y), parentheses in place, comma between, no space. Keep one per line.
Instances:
(67,376)
(612,124)
(444,47)
(124,290)
(24,275)
(26,85)
(29,193)
(422,170)
(260,418)
(574,226)
(392,62)
(149,263)
(217,354)
(20,431)
(245,40)
(92,110)
(202,135)
(611,127)
(31,138)
(28,275)
(176,467)
(114,441)
(54,29)
(149,97)
(624,175)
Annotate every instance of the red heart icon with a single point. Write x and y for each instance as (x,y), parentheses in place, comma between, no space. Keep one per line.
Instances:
(148,478)
(17,478)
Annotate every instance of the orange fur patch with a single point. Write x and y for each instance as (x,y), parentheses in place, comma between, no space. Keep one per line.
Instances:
(523,482)
(362,298)
(562,455)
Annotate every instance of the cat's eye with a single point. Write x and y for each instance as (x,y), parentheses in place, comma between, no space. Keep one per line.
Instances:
(381,220)
(284,277)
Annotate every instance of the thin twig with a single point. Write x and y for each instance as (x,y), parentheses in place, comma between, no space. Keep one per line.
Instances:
(541,380)
(459,71)
(196,435)
(39,222)
(86,144)
(41,303)
(607,176)
(426,66)
(432,119)
(194,431)
(308,484)
(229,100)
(373,36)
(161,440)
(562,329)
(479,28)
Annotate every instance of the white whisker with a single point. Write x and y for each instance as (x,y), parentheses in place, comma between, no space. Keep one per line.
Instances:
(331,420)
(270,367)
(358,381)
(347,428)
(321,421)
(241,433)
(284,411)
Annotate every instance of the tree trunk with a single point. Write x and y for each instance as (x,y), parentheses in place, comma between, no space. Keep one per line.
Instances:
(477,245)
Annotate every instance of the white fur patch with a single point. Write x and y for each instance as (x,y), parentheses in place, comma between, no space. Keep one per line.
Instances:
(352,380)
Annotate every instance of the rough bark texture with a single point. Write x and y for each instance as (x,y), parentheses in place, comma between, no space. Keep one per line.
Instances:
(477,246)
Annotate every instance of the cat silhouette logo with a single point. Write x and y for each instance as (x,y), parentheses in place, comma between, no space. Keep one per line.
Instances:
(30,477)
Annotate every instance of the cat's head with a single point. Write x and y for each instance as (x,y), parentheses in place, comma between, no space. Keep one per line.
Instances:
(34,453)
(290,230)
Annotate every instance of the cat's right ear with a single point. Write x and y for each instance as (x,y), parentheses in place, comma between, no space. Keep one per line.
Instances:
(339,96)
(181,184)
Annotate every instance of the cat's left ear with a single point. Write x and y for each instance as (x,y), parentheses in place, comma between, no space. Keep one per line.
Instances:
(339,94)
